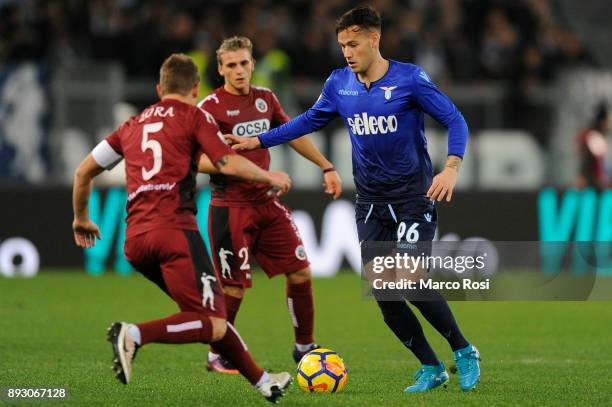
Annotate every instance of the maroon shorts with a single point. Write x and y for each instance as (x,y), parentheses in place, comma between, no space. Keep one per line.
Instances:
(177,261)
(265,232)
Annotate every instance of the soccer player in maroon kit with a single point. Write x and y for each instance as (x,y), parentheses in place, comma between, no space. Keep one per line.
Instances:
(246,219)
(161,148)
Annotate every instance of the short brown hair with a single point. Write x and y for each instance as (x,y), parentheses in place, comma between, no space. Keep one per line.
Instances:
(234,44)
(365,17)
(178,74)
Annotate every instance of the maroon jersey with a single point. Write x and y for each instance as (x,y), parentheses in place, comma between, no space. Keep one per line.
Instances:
(247,116)
(161,148)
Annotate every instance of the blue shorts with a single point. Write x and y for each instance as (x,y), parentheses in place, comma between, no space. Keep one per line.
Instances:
(409,222)
(385,229)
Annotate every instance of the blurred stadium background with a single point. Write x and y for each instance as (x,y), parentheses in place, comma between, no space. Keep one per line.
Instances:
(529,76)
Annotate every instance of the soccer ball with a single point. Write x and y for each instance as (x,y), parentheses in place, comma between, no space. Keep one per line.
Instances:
(321,371)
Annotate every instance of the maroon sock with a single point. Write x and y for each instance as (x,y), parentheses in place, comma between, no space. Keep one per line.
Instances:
(232,305)
(234,350)
(301,309)
(184,327)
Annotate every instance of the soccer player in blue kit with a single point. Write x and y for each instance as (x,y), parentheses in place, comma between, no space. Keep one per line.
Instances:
(383,103)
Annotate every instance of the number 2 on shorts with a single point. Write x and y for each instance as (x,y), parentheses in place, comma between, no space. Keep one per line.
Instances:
(243,253)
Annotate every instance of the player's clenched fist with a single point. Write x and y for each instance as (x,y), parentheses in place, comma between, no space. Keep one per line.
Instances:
(332,184)
(280,181)
(242,143)
(85,233)
(443,184)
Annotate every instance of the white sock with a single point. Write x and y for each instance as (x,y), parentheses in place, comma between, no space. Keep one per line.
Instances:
(212,356)
(303,347)
(264,378)
(134,333)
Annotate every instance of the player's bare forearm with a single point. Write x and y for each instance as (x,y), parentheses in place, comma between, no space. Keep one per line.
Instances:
(80,196)
(85,231)
(307,149)
(83,183)
(206,166)
(238,166)
(444,183)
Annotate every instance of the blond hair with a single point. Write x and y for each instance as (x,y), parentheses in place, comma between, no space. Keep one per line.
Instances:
(178,74)
(234,43)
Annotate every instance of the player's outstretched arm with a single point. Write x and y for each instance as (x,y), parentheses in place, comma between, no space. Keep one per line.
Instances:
(238,166)
(85,231)
(308,122)
(444,183)
(307,149)
(318,116)
(206,166)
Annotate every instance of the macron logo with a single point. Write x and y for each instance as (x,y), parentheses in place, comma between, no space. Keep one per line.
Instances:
(365,124)
(345,92)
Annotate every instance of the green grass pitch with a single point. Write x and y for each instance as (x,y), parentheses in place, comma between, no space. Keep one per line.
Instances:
(52,334)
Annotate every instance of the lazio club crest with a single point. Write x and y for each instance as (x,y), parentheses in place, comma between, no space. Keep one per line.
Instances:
(388,90)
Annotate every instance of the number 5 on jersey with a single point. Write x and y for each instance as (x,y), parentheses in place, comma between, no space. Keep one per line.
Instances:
(155,148)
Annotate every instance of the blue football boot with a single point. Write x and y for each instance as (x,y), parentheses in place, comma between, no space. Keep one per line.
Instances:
(428,377)
(468,367)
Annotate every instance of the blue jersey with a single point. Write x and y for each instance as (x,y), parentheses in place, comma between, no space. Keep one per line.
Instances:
(386,126)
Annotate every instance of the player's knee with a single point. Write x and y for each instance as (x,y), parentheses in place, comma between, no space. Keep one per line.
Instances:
(300,276)
(219,328)
(234,291)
